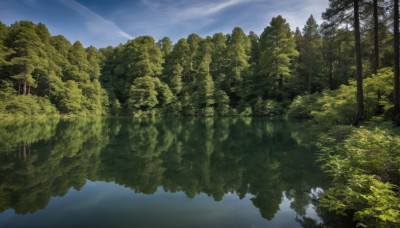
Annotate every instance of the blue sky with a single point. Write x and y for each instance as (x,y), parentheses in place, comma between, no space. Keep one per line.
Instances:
(110,22)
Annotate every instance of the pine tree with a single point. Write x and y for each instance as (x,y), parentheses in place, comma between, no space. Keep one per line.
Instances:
(27,57)
(204,84)
(278,48)
(238,56)
(396,79)
(79,64)
(347,11)
(165,45)
(310,58)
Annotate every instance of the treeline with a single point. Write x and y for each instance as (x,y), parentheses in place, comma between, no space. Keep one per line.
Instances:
(42,74)
(222,74)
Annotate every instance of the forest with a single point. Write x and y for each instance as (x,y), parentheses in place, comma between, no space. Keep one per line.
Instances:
(219,75)
(342,74)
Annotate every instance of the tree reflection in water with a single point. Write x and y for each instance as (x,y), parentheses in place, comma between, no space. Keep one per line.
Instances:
(269,159)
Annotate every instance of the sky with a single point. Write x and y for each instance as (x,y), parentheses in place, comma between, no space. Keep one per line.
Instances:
(110,22)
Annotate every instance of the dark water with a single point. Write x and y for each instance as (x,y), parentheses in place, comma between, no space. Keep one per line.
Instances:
(171,172)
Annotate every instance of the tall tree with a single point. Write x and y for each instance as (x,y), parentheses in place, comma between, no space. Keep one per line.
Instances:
(376,35)
(181,55)
(204,84)
(195,57)
(79,64)
(4,50)
(143,57)
(165,45)
(278,48)
(237,56)
(310,59)
(28,53)
(396,80)
(357,38)
(345,11)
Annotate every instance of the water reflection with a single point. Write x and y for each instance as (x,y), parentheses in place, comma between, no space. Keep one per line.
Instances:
(267,159)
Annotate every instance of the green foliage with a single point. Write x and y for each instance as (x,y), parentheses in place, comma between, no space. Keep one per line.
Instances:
(14,106)
(310,62)
(365,166)
(278,48)
(339,106)
(302,106)
(148,94)
(71,98)
(273,108)
(50,70)
(224,73)
(246,112)
(267,108)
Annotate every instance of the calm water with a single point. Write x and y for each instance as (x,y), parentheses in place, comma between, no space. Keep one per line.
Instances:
(171,172)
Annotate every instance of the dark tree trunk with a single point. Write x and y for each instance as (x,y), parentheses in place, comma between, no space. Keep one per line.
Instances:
(376,36)
(360,95)
(19,87)
(280,88)
(396,62)
(330,73)
(24,88)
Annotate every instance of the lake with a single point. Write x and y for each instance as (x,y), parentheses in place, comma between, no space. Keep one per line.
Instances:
(162,172)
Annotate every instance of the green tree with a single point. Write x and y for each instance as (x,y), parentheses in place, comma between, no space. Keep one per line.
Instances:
(4,50)
(204,83)
(175,82)
(310,58)
(181,55)
(237,56)
(396,68)
(165,45)
(72,98)
(79,64)
(148,95)
(340,12)
(27,57)
(278,48)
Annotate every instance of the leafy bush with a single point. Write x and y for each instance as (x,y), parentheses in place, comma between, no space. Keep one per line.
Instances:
(267,108)
(246,112)
(302,106)
(209,111)
(365,167)
(339,106)
(22,106)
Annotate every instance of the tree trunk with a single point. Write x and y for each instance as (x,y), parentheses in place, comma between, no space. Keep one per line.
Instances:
(19,87)
(376,36)
(24,88)
(280,87)
(360,95)
(29,89)
(330,73)
(396,88)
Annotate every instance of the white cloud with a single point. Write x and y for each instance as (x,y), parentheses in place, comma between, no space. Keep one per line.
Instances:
(298,13)
(96,23)
(207,9)
(174,18)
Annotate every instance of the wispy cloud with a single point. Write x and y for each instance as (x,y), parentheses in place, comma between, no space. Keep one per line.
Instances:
(207,9)
(175,18)
(298,13)
(96,23)
(105,22)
